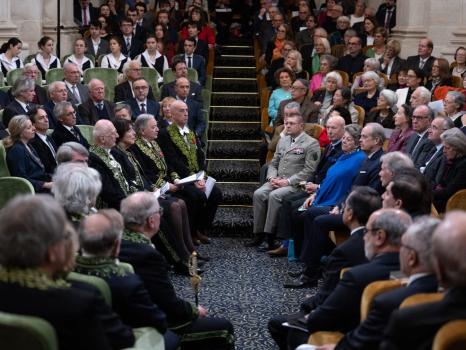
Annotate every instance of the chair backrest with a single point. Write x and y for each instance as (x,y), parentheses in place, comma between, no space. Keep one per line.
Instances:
(324,337)
(344,77)
(421,298)
(457,201)
(361,115)
(14,74)
(11,186)
(26,332)
(206,98)
(343,271)
(2,79)
(385,78)
(97,282)
(366,48)
(433,211)
(451,336)
(4,171)
(108,75)
(87,130)
(54,74)
(374,289)
(168,76)
(192,75)
(126,266)
(152,77)
(338,50)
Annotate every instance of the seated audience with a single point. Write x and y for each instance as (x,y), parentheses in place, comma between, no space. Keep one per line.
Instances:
(162,38)
(321,47)
(306,36)
(193,61)
(45,59)
(418,145)
(342,103)
(352,62)
(66,129)
(72,152)
(124,90)
(22,160)
(424,59)
(453,105)
(57,93)
(379,44)
(77,92)
(391,164)
(358,14)
(23,96)
(165,111)
(420,96)
(414,79)
(278,63)
(384,111)
(132,44)
(390,62)
(285,78)
(115,59)
(328,63)
(368,99)
(141,214)
(274,46)
(409,327)
(78,56)
(337,37)
(152,58)
(95,45)
(368,30)
(207,34)
(459,65)
(323,98)
(370,64)
(294,62)
(141,103)
(194,28)
(9,55)
(123,111)
(180,69)
(96,107)
(440,76)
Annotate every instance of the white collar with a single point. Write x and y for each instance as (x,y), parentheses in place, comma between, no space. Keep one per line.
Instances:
(9,64)
(139,102)
(184,130)
(356,229)
(415,276)
(23,105)
(42,137)
(40,59)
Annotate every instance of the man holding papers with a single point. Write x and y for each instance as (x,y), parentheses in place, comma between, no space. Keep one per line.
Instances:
(184,156)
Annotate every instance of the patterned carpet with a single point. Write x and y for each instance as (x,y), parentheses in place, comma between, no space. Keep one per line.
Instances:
(246,287)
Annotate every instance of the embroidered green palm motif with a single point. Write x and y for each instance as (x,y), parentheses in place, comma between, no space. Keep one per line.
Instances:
(188,152)
(113,165)
(135,237)
(138,182)
(30,278)
(99,266)
(156,155)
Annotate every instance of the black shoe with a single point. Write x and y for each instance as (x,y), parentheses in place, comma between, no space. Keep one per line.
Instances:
(257,241)
(203,257)
(295,273)
(181,269)
(301,283)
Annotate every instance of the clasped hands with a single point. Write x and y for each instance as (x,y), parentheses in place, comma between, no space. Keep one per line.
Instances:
(277,182)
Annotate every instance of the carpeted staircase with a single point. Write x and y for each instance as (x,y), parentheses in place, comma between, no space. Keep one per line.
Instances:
(234,137)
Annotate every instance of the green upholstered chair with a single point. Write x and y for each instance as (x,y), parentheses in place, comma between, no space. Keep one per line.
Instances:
(97,282)
(2,79)
(14,74)
(152,76)
(29,58)
(86,130)
(54,74)
(5,88)
(168,76)
(3,166)
(26,332)
(11,186)
(108,75)
(127,266)
(208,82)
(206,98)
(192,74)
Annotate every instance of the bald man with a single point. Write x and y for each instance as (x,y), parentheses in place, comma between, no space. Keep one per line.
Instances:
(196,120)
(114,185)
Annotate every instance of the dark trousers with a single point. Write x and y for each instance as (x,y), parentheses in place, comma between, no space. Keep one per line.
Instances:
(207,333)
(290,204)
(284,336)
(172,341)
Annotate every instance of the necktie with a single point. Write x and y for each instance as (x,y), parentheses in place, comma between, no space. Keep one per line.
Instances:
(75,134)
(85,17)
(421,63)
(417,144)
(329,150)
(388,16)
(185,137)
(128,44)
(100,106)
(28,107)
(190,64)
(52,150)
(76,93)
(143,108)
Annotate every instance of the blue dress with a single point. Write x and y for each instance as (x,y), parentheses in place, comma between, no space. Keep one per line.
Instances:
(339,179)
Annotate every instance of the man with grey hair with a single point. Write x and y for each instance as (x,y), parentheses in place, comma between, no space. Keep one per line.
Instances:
(409,327)
(418,145)
(341,310)
(100,238)
(141,214)
(453,104)
(415,263)
(96,107)
(371,142)
(391,164)
(295,160)
(33,254)
(23,96)
(66,129)
(123,111)
(420,96)
(72,152)
(115,186)
(141,103)
(57,93)
(124,91)
(77,92)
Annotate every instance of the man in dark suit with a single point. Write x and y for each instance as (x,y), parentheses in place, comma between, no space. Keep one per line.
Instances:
(415,263)
(66,129)
(31,71)
(96,107)
(132,45)
(163,18)
(100,239)
(57,93)
(184,155)
(181,71)
(140,103)
(194,28)
(145,18)
(359,205)
(139,31)
(42,143)
(424,59)
(434,158)
(84,13)
(193,61)
(196,120)
(44,235)
(418,145)
(77,92)
(141,214)
(124,91)
(353,62)
(386,14)
(23,95)
(415,327)
(95,45)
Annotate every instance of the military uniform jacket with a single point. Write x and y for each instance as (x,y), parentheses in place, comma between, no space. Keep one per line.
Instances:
(151,266)
(297,161)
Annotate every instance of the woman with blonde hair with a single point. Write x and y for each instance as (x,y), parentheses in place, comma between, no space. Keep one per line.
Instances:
(165,112)
(21,159)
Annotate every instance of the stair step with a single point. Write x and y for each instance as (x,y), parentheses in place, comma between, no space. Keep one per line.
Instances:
(233,221)
(234,170)
(236,60)
(234,131)
(237,50)
(233,149)
(235,99)
(236,113)
(235,84)
(238,193)
(234,72)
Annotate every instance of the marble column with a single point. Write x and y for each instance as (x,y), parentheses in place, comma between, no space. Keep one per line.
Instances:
(7,28)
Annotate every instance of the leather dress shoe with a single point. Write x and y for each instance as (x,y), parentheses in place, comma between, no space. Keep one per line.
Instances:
(278,252)
(301,283)
(255,242)
(203,257)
